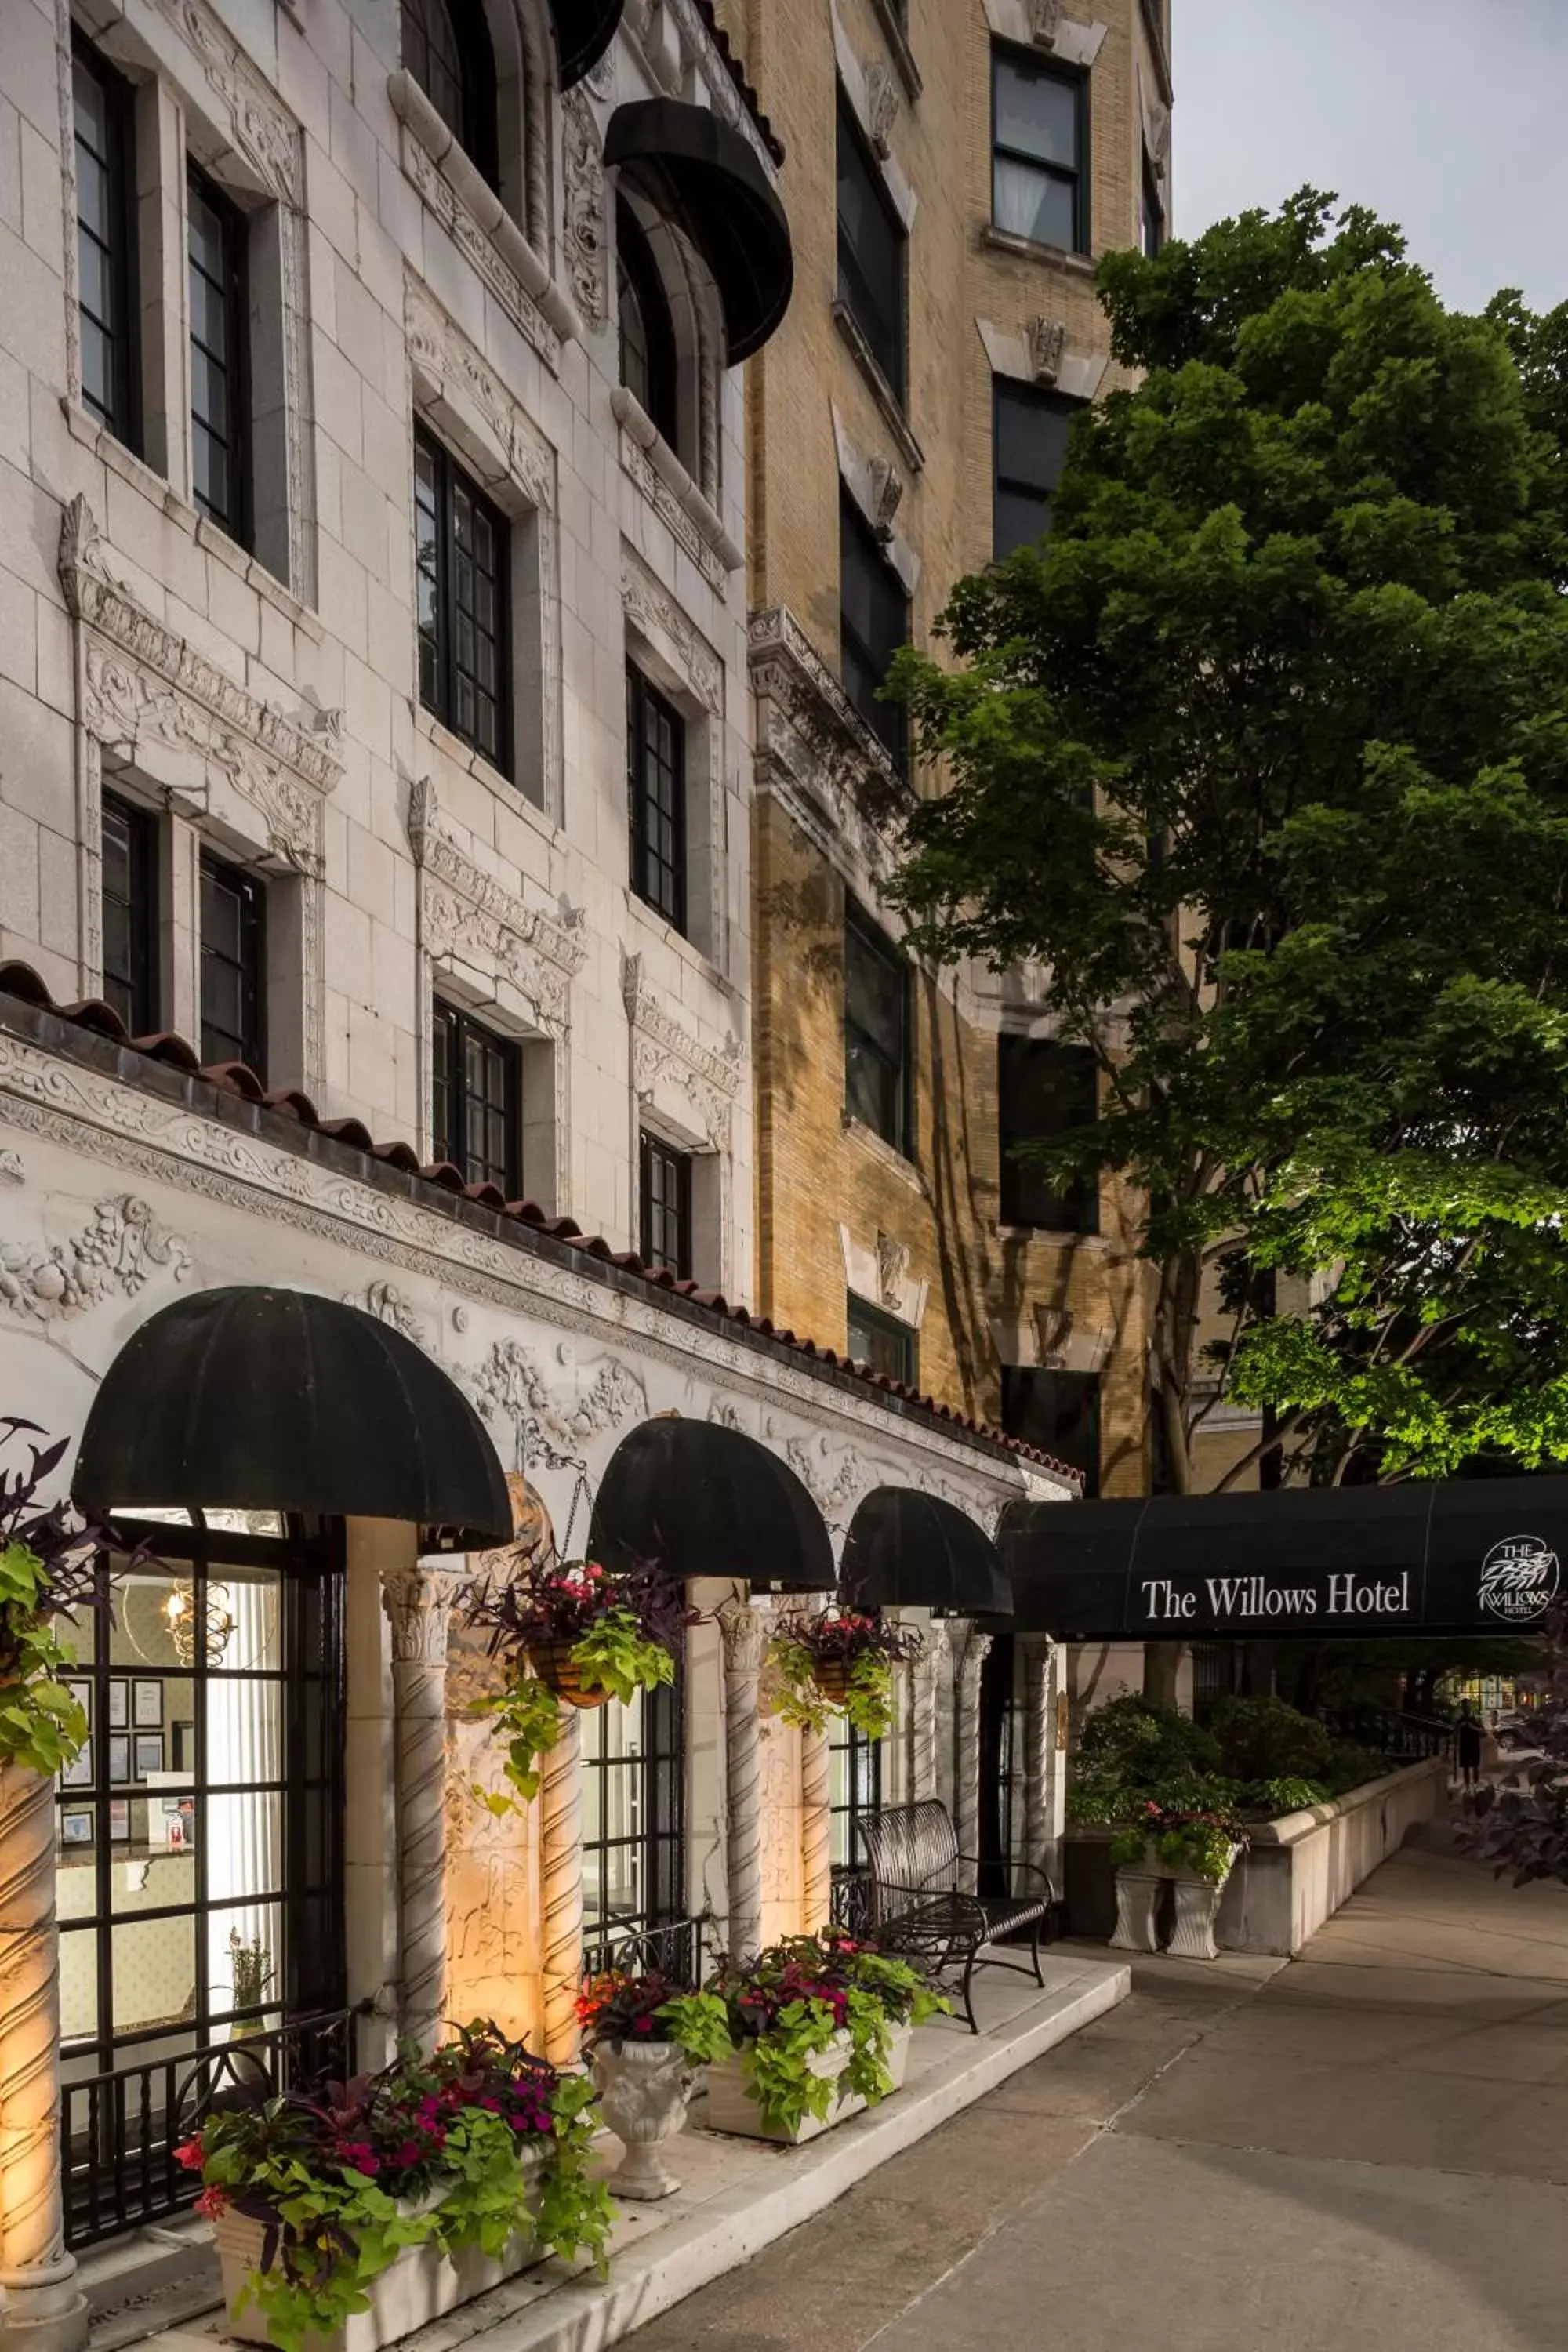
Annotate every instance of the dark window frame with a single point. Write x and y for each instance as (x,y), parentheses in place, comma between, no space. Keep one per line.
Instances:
(251,890)
(237,521)
(1045,403)
(637,273)
(123,417)
(656,1157)
(1027,1199)
(448,1133)
(904,1339)
(1018,1383)
(855,1766)
(1153,211)
(874,942)
(477,128)
(657,879)
(887,337)
(660,1832)
(438,690)
(134,993)
(857,542)
(1075,78)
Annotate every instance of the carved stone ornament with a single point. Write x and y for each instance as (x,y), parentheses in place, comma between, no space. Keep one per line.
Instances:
(442,200)
(11,1169)
(567,1402)
(887,492)
(444,356)
(258,127)
(388,1305)
(1045,22)
(882,108)
(654,611)
(118,1251)
(586,233)
(665,1052)
(464,908)
(892,1269)
(1157,133)
(1053,1333)
(419,1602)
(1048,341)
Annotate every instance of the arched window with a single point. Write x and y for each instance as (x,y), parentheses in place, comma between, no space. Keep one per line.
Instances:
(649,369)
(447,47)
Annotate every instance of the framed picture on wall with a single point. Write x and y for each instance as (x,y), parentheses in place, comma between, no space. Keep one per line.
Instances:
(149,1753)
(149,1705)
(76,1825)
(119,1758)
(120,1820)
(78,1773)
(119,1702)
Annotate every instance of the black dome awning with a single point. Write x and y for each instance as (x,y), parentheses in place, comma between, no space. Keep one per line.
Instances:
(583,30)
(1461,1555)
(909,1550)
(710,180)
(280,1400)
(704,1500)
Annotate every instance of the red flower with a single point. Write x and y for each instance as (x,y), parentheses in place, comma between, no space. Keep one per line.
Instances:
(189,2153)
(643,2024)
(212,2202)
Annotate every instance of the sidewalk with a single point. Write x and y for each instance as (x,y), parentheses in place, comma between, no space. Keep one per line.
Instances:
(1367,2150)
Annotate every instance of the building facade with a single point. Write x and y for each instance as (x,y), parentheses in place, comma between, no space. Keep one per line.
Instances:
(376,836)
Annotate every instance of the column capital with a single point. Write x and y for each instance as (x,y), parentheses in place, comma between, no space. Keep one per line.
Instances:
(418,1604)
(746,1632)
(976,1649)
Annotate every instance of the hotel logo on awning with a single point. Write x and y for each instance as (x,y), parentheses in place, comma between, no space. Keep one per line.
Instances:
(1520,1578)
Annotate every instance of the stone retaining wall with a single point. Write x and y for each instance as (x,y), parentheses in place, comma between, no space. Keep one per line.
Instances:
(1300,1868)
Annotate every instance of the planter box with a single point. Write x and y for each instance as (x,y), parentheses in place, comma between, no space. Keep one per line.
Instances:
(732,2108)
(419,2284)
(1297,1870)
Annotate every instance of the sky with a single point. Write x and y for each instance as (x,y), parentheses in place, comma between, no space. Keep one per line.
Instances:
(1446,116)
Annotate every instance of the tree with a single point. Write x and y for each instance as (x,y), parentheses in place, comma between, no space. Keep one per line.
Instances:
(1262,755)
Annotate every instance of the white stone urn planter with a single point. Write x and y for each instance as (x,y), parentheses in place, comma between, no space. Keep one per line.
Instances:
(732,2107)
(644,2088)
(418,2285)
(1197,1903)
(1137,1911)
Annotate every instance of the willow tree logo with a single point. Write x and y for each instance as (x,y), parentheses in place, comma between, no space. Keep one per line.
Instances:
(1520,1578)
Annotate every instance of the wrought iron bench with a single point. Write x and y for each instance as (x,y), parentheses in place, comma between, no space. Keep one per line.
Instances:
(919,1911)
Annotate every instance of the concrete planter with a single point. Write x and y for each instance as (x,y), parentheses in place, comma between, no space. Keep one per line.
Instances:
(732,2108)
(1197,1902)
(643,2088)
(1137,1911)
(1298,1870)
(418,2285)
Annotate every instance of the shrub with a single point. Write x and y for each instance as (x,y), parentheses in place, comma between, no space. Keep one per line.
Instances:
(1268,1799)
(1351,1766)
(1140,1744)
(1266,1739)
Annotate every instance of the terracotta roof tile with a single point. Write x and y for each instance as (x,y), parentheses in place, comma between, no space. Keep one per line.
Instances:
(20,981)
(738,75)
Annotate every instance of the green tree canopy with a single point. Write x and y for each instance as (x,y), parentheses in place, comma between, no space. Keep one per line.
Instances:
(1263,756)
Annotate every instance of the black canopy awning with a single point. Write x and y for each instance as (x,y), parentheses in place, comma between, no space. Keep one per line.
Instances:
(704,1500)
(909,1550)
(710,180)
(280,1400)
(584,31)
(1474,1556)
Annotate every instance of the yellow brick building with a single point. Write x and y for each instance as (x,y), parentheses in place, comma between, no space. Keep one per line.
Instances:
(954,167)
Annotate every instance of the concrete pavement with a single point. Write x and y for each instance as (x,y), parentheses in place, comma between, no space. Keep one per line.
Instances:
(1366,2148)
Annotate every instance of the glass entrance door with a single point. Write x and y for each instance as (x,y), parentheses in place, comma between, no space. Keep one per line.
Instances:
(200,1881)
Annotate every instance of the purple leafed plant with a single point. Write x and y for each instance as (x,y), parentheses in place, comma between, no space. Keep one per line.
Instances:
(1520,1824)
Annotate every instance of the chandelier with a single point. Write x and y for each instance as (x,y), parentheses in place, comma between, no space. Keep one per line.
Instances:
(179,1615)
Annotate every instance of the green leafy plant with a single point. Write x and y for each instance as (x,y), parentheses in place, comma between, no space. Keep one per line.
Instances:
(789,2005)
(840,1662)
(621,2006)
(1266,1738)
(46,1572)
(1202,1838)
(1291,1793)
(471,2147)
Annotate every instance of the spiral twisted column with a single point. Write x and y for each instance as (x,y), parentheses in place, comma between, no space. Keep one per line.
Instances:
(746,1632)
(924,1673)
(41,2307)
(976,1650)
(561,1874)
(946,1667)
(816,1830)
(418,1604)
(1044,1782)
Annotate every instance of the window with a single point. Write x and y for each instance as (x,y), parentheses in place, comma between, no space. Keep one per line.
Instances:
(475,1111)
(881,1340)
(1039,134)
(220,397)
(877,1026)
(461,549)
(656,787)
(1043,1089)
(665,1192)
(633,1846)
(649,369)
(855,1764)
(129,841)
(446,48)
(1154,217)
(1030,439)
(234,951)
(871,250)
(105,244)
(1058,1412)
(873,622)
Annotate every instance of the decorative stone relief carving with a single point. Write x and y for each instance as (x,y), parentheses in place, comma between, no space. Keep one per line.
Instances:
(387,1303)
(887,491)
(654,610)
(1157,133)
(639,466)
(586,233)
(882,108)
(834,1486)
(568,1403)
(892,1270)
(1048,341)
(1045,22)
(1053,1332)
(11,1169)
(815,751)
(119,1250)
(663,1051)
(463,909)
(418,1602)
(443,354)
(258,127)
(452,214)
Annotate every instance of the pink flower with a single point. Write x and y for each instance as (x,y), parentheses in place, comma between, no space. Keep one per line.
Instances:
(189,2153)
(212,2202)
(491,2106)
(357,2155)
(644,2024)
(407,2154)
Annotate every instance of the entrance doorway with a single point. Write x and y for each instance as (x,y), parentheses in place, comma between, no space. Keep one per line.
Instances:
(200,1846)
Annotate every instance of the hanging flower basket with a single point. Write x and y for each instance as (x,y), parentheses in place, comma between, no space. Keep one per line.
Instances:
(555,1665)
(832,1676)
(841,1660)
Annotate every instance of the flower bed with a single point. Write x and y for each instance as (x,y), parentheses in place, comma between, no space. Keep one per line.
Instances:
(475,2156)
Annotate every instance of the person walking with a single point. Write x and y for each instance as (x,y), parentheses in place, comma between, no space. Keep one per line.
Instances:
(1468,1743)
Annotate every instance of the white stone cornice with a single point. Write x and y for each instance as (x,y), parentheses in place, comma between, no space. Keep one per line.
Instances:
(648,460)
(817,754)
(652,1018)
(1037,352)
(672,632)
(464,910)
(445,362)
(667,1060)
(261,132)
